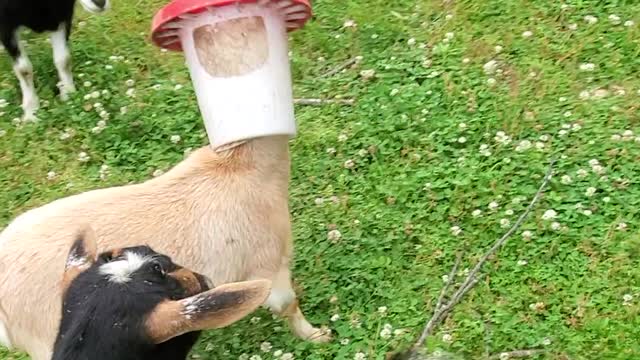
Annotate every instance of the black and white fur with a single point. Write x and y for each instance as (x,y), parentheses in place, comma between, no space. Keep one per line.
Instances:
(136,304)
(53,16)
(105,307)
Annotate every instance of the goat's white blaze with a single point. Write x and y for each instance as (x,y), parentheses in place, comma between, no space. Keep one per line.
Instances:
(62,59)
(119,271)
(24,72)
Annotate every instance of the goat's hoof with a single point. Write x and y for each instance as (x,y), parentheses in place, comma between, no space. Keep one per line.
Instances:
(65,91)
(320,336)
(29,117)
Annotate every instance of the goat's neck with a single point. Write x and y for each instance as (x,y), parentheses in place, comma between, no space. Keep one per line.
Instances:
(264,159)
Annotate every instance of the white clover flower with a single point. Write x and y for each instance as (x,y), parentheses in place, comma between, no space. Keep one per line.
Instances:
(573,26)
(334,235)
(491,81)
(287,356)
(331,151)
(584,95)
(549,215)
(87,84)
(581,173)
(385,333)
(456,230)
(629,23)
(590,191)
(394,92)
(508,212)
(621,226)
(576,127)
(544,137)
(566,179)
(524,145)
(411,42)
(527,34)
(178,87)
(349,164)
(498,49)
(504,223)
(447,338)
(255,357)
(490,67)
(344,342)
(254,320)
(130,83)
(83,157)
(606,199)
(359,356)
(445,278)
(546,342)
(476,213)
(277,353)
(335,317)
(615,19)
(493,205)
(527,235)
(598,169)
(157,173)
(265,346)
(587,212)
(600,93)
(590,19)
(3,132)
(555,226)
(462,126)
(343,137)
(131,92)
(367,74)
(587,67)
(522,262)
(175,139)
(466,60)
(382,310)
(349,23)
(462,139)
(51,175)
(243,357)
(627,298)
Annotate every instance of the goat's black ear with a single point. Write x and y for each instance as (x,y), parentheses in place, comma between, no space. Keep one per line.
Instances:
(81,255)
(211,309)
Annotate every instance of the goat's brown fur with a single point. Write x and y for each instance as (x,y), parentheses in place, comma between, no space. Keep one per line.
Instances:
(222,214)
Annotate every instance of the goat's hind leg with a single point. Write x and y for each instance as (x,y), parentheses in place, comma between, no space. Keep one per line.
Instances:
(62,59)
(283,302)
(24,72)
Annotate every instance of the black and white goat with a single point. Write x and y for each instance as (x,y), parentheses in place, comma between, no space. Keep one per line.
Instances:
(41,16)
(136,304)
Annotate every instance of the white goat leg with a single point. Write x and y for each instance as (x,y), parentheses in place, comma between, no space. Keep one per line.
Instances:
(24,72)
(62,60)
(283,302)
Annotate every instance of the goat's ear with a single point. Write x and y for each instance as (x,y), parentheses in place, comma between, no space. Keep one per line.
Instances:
(211,309)
(81,256)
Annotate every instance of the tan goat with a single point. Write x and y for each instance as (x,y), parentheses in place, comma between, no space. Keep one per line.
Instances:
(223,214)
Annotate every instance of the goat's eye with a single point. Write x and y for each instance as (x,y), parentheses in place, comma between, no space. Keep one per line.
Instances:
(158,269)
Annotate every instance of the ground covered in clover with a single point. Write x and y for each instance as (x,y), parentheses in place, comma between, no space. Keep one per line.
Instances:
(459,105)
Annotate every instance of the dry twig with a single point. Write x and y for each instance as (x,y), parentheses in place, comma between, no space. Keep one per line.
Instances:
(342,66)
(320,102)
(515,354)
(442,309)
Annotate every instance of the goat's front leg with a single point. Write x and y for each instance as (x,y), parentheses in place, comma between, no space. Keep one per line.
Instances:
(62,59)
(283,302)
(24,72)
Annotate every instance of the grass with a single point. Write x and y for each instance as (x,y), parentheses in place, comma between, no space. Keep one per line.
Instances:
(424,153)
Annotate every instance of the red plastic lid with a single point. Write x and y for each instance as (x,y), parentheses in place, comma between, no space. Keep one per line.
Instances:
(297,12)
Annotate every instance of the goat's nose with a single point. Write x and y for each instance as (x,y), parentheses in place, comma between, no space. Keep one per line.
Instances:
(100,3)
